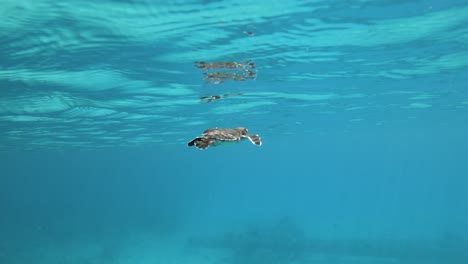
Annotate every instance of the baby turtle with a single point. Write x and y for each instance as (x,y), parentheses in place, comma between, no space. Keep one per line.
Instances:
(219,136)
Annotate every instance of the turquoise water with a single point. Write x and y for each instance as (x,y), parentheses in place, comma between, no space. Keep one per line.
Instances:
(362,108)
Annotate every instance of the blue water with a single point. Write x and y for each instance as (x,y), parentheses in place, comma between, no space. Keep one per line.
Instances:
(362,108)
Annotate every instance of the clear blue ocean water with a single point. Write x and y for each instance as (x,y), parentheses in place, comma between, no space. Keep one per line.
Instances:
(362,108)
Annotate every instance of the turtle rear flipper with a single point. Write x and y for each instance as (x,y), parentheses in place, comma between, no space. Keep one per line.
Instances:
(255,139)
(201,142)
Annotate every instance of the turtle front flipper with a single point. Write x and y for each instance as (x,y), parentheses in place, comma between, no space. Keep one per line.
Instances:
(255,139)
(201,142)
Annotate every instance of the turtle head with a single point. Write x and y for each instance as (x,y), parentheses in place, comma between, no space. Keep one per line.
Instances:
(243,131)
